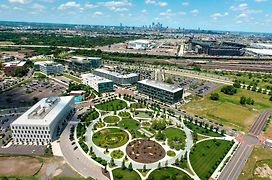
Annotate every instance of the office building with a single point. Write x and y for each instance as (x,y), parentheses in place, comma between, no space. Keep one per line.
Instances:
(118,78)
(161,91)
(43,121)
(140,44)
(98,83)
(83,64)
(49,67)
(10,67)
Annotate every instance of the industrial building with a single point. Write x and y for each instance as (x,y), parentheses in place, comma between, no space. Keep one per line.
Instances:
(98,83)
(49,67)
(214,48)
(42,123)
(117,78)
(83,64)
(10,67)
(140,44)
(161,91)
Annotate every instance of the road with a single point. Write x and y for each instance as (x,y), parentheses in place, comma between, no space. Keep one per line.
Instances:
(235,166)
(77,159)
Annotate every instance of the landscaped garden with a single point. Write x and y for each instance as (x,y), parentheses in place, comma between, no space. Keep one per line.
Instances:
(111,119)
(117,154)
(125,174)
(128,123)
(207,155)
(110,138)
(112,105)
(175,138)
(143,114)
(168,173)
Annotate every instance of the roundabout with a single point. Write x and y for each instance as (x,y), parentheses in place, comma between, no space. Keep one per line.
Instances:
(110,138)
(145,151)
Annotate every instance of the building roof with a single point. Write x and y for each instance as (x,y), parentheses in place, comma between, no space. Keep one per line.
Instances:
(97,79)
(161,85)
(44,112)
(14,63)
(263,52)
(119,75)
(46,63)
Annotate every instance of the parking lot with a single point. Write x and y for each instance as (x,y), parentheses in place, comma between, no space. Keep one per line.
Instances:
(28,94)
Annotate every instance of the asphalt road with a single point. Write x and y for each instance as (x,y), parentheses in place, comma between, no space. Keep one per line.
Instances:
(260,122)
(234,167)
(77,159)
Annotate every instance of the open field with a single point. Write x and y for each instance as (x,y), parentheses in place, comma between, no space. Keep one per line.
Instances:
(227,110)
(32,168)
(73,78)
(207,155)
(260,159)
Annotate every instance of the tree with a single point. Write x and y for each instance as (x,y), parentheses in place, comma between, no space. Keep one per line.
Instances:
(130,167)
(229,90)
(270,98)
(243,100)
(214,96)
(159,165)
(237,84)
(144,168)
(124,165)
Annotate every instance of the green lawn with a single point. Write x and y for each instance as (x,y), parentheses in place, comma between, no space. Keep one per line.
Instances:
(227,110)
(73,78)
(201,130)
(143,114)
(112,105)
(128,123)
(111,119)
(117,154)
(207,155)
(124,114)
(168,173)
(175,138)
(110,138)
(126,174)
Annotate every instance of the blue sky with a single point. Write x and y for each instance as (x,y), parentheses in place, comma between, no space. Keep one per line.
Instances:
(230,15)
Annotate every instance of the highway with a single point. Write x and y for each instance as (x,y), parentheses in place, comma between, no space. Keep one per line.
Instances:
(260,122)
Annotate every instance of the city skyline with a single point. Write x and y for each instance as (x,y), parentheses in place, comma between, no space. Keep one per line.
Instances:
(226,15)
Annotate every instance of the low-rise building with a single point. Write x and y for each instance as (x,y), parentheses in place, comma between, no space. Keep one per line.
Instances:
(161,91)
(42,123)
(10,67)
(117,78)
(99,84)
(140,44)
(49,67)
(84,63)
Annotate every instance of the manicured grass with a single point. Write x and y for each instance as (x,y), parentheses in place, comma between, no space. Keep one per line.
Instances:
(207,155)
(137,105)
(111,119)
(171,153)
(143,114)
(110,138)
(258,157)
(128,123)
(201,130)
(73,78)
(168,173)
(117,154)
(120,174)
(227,110)
(112,105)
(175,138)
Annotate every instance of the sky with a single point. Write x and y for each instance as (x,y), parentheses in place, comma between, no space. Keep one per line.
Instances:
(228,15)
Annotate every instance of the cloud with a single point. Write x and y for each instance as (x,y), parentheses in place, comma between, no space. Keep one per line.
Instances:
(38,7)
(70,4)
(98,13)
(185,3)
(20,1)
(90,6)
(167,14)
(144,11)
(259,1)
(150,2)
(215,16)
(155,2)
(117,6)
(162,4)
(195,12)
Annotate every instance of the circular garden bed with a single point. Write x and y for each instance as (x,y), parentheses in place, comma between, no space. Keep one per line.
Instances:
(145,151)
(111,119)
(110,138)
(117,154)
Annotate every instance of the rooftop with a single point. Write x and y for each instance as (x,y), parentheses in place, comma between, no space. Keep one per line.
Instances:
(46,63)
(14,63)
(143,41)
(97,79)
(119,75)
(44,112)
(161,85)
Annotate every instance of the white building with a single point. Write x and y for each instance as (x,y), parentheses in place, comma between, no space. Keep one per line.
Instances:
(49,67)
(140,44)
(41,123)
(117,78)
(99,84)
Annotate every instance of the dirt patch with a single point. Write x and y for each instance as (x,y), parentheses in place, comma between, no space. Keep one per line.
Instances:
(19,166)
(145,151)
(265,171)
